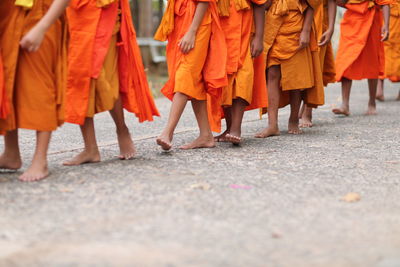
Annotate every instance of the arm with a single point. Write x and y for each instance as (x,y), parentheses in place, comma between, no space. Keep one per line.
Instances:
(257,45)
(386,18)
(341,3)
(305,32)
(33,39)
(187,42)
(327,36)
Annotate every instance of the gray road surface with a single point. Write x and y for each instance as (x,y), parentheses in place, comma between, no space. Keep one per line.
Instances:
(273,202)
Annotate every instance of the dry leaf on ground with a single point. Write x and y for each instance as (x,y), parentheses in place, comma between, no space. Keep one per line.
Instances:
(201,186)
(351,197)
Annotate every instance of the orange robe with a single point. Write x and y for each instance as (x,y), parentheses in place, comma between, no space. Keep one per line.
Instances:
(360,54)
(321,19)
(34,82)
(202,71)
(299,69)
(392,46)
(97,63)
(237,21)
(4,106)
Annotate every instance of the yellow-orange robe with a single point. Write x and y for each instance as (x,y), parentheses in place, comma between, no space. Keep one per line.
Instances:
(300,69)
(203,70)
(244,79)
(34,82)
(360,54)
(100,70)
(392,46)
(321,19)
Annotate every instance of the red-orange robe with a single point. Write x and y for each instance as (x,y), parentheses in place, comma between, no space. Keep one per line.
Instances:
(361,54)
(91,28)
(202,71)
(300,69)
(34,82)
(392,46)
(4,105)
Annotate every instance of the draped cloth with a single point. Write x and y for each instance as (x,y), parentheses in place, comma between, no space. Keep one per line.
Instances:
(94,27)
(237,21)
(4,105)
(300,69)
(201,72)
(361,53)
(34,82)
(392,46)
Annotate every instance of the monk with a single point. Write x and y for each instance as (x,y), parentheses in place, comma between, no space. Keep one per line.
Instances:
(33,44)
(324,19)
(293,65)
(392,52)
(105,73)
(196,57)
(360,54)
(238,18)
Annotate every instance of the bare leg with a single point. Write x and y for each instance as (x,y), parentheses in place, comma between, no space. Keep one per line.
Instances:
(126,146)
(91,153)
(238,107)
(346,89)
(379,93)
(205,139)
(11,157)
(295,103)
(178,105)
(228,120)
(273,84)
(398,96)
(38,169)
(306,117)
(372,84)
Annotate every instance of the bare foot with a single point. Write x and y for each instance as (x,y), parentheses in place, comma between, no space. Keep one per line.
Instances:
(236,140)
(84,157)
(306,123)
(267,132)
(380,98)
(126,147)
(164,142)
(371,110)
(341,111)
(293,128)
(36,172)
(9,162)
(221,137)
(200,142)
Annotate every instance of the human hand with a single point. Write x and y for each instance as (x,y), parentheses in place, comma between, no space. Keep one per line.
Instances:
(187,42)
(33,39)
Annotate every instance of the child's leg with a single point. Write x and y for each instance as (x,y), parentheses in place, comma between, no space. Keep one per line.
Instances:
(228,120)
(11,157)
(126,146)
(38,169)
(306,117)
(273,85)
(372,85)
(345,108)
(205,139)
(295,103)
(379,93)
(238,108)
(398,96)
(178,105)
(91,153)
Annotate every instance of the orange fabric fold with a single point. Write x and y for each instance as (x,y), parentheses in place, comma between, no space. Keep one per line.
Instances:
(34,82)
(91,29)
(4,105)
(361,53)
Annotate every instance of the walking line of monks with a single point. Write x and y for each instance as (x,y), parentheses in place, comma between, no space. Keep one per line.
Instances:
(222,56)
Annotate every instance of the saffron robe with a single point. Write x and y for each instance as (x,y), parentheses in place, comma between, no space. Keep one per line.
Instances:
(202,71)
(300,69)
(361,53)
(34,82)
(97,64)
